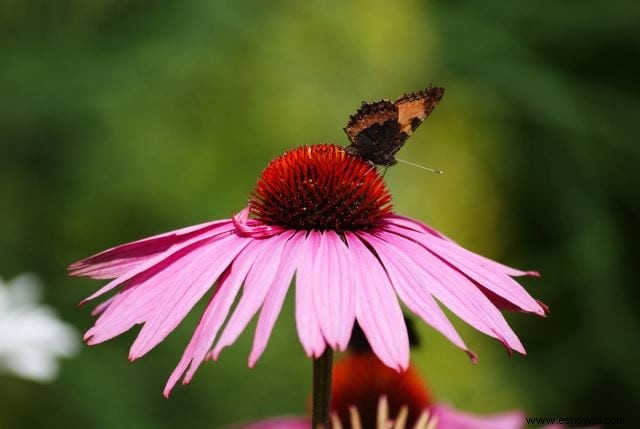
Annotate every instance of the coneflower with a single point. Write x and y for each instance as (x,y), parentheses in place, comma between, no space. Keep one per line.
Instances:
(325,216)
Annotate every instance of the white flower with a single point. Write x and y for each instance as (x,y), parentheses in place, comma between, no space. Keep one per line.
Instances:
(32,338)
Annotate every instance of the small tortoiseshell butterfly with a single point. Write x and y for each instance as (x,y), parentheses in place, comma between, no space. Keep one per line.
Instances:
(378,130)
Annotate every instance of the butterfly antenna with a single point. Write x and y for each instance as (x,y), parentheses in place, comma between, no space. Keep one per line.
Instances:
(432,170)
(386,167)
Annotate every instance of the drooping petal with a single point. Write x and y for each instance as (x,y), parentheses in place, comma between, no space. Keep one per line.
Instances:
(333,291)
(256,286)
(456,291)
(214,316)
(408,284)
(119,260)
(306,320)
(159,261)
(506,305)
(407,222)
(450,418)
(100,308)
(473,267)
(275,296)
(377,308)
(138,301)
(418,226)
(347,293)
(254,228)
(135,303)
(189,280)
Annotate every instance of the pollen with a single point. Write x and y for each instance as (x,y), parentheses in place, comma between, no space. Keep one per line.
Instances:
(321,187)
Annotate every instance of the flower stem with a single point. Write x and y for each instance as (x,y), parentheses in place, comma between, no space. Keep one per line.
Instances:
(322,389)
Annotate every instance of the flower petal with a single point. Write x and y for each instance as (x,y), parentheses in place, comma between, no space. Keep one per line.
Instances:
(306,320)
(407,222)
(456,291)
(135,303)
(119,260)
(214,316)
(189,279)
(418,226)
(333,291)
(256,286)
(473,267)
(160,260)
(408,284)
(100,308)
(275,296)
(449,418)
(377,308)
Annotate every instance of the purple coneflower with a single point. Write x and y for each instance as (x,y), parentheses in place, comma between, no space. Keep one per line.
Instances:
(326,217)
(369,395)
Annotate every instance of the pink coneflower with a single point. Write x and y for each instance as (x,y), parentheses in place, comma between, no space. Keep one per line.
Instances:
(369,395)
(326,217)
(366,394)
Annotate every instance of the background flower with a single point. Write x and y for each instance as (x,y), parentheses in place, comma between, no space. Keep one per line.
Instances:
(369,395)
(32,338)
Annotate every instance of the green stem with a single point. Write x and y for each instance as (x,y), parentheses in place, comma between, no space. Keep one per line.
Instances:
(322,390)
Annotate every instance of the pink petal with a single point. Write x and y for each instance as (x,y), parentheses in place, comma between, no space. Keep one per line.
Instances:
(189,279)
(275,296)
(214,316)
(158,261)
(456,291)
(407,222)
(377,308)
(259,280)
(505,305)
(468,263)
(137,301)
(121,259)
(333,292)
(449,418)
(306,320)
(408,284)
(254,228)
(100,308)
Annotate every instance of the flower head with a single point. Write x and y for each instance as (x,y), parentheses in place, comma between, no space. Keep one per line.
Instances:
(325,216)
(360,380)
(320,188)
(368,394)
(380,420)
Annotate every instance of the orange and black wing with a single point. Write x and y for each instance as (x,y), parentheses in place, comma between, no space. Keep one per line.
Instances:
(372,131)
(378,130)
(415,107)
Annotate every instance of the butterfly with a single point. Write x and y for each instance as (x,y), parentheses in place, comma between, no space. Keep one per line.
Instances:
(378,130)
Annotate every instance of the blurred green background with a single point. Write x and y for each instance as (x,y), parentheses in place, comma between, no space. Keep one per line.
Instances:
(125,118)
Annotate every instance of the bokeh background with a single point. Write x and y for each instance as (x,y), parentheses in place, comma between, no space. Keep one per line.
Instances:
(125,118)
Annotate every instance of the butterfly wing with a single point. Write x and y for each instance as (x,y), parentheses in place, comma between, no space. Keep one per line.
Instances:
(415,107)
(378,130)
(372,131)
